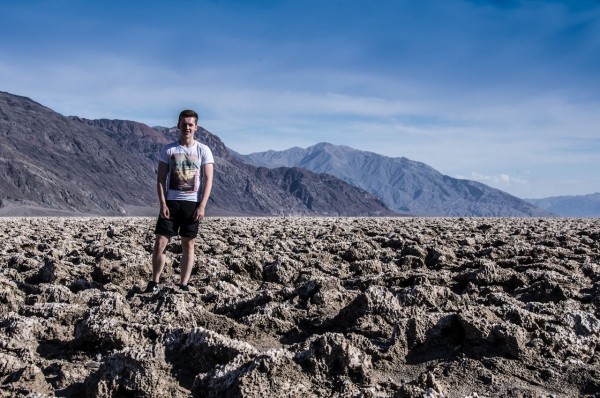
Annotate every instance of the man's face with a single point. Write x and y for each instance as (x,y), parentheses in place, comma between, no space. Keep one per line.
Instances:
(187,127)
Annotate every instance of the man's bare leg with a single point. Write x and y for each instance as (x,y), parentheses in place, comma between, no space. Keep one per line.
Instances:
(187,259)
(158,256)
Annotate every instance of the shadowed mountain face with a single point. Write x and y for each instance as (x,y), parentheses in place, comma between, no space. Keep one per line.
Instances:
(403,185)
(57,163)
(51,161)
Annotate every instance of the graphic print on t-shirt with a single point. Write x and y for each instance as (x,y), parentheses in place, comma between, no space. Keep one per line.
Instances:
(184,173)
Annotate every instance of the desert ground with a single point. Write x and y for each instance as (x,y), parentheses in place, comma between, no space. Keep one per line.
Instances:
(303,307)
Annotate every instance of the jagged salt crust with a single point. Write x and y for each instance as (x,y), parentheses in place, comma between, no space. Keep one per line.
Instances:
(339,307)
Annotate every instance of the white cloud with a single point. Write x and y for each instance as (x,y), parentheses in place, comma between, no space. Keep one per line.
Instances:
(496,180)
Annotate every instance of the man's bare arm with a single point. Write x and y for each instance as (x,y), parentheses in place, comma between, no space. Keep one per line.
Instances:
(207,173)
(161,184)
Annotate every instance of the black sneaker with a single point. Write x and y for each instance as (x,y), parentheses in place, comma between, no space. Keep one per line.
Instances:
(184,288)
(152,287)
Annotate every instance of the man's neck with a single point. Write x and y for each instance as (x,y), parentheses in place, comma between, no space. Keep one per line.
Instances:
(186,143)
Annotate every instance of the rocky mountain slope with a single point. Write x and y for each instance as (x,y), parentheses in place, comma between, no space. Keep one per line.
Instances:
(405,186)
(571,206)
(53,163)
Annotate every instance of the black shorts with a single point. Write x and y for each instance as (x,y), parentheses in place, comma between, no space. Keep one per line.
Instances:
(181,221)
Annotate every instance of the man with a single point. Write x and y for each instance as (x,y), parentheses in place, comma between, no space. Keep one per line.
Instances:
(183,185)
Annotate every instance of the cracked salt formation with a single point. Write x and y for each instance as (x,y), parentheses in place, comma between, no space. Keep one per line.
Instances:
(375,307)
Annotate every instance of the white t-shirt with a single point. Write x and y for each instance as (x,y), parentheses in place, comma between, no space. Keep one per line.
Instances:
(185,170)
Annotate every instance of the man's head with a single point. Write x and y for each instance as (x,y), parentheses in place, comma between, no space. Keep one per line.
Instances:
(185,114)
(187,125)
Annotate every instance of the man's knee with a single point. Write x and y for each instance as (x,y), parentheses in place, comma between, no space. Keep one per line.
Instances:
(187,243)
(160,243)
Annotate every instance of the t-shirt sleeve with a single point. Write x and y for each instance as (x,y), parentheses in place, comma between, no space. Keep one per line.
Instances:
(207,156)
(162,156)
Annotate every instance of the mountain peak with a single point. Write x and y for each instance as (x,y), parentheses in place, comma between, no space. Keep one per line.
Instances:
(403,185)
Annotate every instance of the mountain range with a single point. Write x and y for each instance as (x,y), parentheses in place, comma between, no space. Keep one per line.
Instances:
(571,206)
(51,164)
(403,185)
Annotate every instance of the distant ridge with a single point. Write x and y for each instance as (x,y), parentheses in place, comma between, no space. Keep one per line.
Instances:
(405,186)
(571,206)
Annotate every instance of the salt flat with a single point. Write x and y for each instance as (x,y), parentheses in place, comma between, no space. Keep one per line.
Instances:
(375,307)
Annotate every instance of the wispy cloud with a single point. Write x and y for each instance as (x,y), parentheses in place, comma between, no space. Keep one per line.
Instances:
(501,181)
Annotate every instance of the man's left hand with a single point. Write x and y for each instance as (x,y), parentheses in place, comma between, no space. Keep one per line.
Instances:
(199,213)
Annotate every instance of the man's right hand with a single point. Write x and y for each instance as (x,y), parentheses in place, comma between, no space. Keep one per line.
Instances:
(164,212)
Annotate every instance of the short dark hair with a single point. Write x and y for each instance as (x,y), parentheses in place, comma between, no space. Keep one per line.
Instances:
(187,113)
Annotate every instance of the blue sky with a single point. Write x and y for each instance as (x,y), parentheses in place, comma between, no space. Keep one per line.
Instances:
(503,92)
